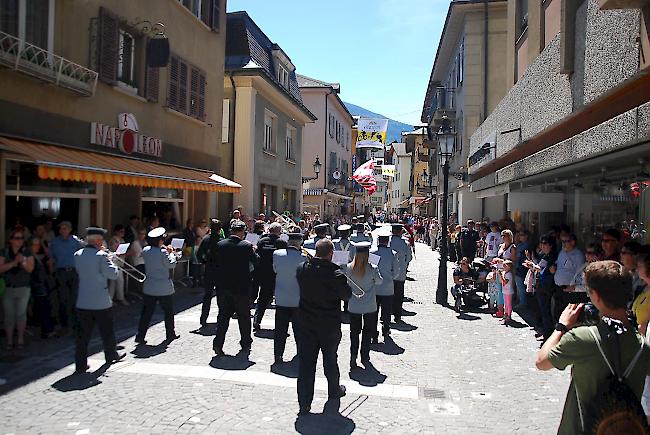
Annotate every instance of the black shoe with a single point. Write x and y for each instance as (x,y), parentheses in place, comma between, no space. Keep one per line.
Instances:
(82,371)
(304,411)
(171,338)
(385,333)
(278,360)
(339,393)
(353,364)
(246,347)
(218,353)
(140,340)
(117,357)
(398,319)
(256,326)
(365,361)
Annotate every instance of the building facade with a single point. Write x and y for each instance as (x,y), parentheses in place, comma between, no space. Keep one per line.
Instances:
(330,139)
(98,124)
(266,117)
(572,135)
(398,186)
(468,79)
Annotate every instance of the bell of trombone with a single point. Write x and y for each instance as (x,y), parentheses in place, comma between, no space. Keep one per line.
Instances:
(128,269)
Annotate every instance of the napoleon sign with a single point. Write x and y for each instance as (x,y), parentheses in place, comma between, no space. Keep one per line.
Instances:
(125,137)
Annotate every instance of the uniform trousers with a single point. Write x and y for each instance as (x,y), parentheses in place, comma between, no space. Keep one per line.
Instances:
(311,341)
(283,315)
(267,290)
(366,326)
(67,284)
(87,320)
(230,302)
(385,307)
(210,284)
(398,299)
(148,307)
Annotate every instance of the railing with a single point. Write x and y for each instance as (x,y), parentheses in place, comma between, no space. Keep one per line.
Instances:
(423,157)
(44,65)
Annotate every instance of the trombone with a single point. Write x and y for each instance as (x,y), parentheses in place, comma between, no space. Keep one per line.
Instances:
(350,280)
(127,268)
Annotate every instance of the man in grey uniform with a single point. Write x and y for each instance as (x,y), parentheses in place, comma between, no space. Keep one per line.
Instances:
(388,268)
(287,292)
(343,243)
(159,286)
(404,257)
(360,235)
(321,233)
(94,304)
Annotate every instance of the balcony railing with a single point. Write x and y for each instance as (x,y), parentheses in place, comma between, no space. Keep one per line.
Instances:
(44,65)
(423,157)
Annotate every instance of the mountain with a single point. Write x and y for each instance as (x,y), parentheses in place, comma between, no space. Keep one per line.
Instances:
(395,128)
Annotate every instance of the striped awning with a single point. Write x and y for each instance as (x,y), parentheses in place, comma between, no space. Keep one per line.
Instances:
(313,192)
(61,163)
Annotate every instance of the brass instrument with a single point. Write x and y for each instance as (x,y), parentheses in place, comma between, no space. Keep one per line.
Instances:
(286,223)
(127,268)
(350,280)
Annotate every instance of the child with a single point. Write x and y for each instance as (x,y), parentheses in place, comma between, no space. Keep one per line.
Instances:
(492,242)
(505,277)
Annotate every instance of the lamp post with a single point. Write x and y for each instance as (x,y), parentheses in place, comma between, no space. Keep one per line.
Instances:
(317,165)
(446,139)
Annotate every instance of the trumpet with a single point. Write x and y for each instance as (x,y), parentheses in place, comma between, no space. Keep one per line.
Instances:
(127,268)
(286,223)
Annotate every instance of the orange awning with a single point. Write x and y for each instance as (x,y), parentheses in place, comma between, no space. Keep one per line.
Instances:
(61,163)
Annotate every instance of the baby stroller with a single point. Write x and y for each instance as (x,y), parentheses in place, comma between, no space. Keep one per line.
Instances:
(466,296)
(482,268)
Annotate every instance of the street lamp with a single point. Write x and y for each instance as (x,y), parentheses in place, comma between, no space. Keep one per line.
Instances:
(446,139)
(317,167)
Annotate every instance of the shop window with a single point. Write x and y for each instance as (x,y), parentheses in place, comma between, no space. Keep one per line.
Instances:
(158,193)
(126,60)
(23,176)
(267,199)
(289,200)
(36,24)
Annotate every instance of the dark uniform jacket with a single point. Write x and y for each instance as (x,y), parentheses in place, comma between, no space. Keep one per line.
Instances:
(323,286)
(265,247)
(236,259)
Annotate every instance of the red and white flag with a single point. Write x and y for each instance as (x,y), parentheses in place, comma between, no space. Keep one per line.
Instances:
(365,176)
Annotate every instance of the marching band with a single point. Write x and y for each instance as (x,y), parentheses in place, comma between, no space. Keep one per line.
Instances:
(365,270)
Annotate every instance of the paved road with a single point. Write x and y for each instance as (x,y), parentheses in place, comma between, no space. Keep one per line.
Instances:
(442,374)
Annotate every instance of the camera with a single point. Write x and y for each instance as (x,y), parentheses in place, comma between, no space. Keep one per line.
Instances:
(589,315)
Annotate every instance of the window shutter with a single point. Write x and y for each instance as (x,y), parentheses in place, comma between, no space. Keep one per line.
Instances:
(215,15)
(194,92)
(151,83)
(173,97)
(182,87)
(109,37)
(201,97)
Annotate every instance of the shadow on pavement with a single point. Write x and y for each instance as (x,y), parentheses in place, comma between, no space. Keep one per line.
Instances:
(240,361)
(288,369)
(78,382)
(406,313)
(369,376)
(514,324)
(403,326)
(330,421)
(388,347)
(146,351)
(467,316)
(208,330)
(264,333)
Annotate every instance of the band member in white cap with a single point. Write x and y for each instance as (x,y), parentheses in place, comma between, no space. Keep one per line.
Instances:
(287,291)
(159,286)
(362,306)
(343,243)
(404,257)
(321,233)
(388,267)
(94,304)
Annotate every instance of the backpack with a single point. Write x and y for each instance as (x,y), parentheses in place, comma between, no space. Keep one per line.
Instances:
(616,409)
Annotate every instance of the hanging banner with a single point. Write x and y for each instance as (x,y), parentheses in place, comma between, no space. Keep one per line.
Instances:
(388,170)
(371,133)
(365,176)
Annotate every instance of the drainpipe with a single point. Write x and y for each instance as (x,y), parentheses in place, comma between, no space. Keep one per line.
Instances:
(326,156)
(234,120)
(485,59)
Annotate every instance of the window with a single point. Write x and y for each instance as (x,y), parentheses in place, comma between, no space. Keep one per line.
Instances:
(269,129)
(283,76)
(290,141)
(331,125)
(207,11)
(35,26)
(461,58)
(289,200)
(267,199)
(522,17)
(126,59)
(186,88)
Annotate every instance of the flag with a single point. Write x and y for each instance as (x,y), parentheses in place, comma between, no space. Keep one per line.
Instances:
(365,176)
(371,133)
(388,170)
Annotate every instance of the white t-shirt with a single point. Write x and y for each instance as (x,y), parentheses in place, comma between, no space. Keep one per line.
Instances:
(507,287)
(492,240)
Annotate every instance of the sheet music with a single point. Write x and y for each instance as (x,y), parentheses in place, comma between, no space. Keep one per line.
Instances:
(284,237)
(122,248)
(253,238)
(177,244)
(340,257)
(374,259)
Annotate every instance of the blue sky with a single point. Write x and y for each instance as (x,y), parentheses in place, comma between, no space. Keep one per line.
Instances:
(381,51)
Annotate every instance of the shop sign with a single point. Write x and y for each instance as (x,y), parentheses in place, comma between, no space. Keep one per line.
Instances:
(125,137)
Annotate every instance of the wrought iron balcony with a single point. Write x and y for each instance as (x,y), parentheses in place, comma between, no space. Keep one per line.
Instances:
(47,66)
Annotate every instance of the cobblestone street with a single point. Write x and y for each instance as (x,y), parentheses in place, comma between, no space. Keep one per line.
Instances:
(444,373)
